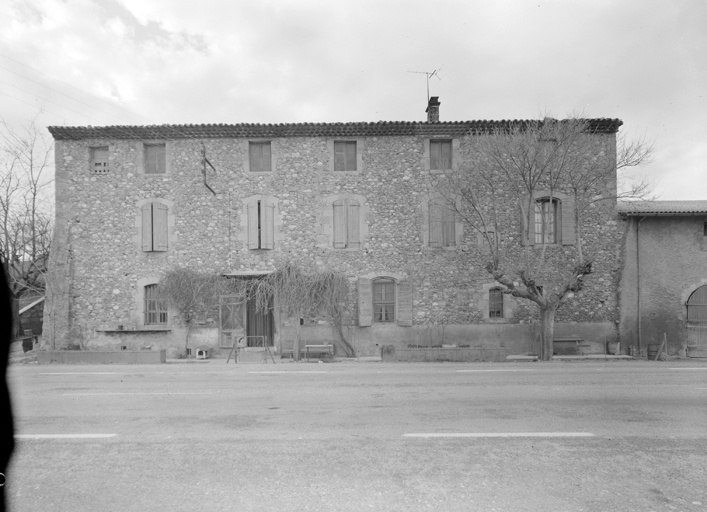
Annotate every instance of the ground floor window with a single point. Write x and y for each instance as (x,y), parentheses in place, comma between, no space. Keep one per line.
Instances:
(383,300)
(155,307)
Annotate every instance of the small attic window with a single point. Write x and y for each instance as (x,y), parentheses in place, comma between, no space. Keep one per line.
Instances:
(99,160)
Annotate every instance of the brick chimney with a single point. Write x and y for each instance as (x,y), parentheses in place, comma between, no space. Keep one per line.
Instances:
(433,110)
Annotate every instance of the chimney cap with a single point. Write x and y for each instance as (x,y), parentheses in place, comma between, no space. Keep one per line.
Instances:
(433,102)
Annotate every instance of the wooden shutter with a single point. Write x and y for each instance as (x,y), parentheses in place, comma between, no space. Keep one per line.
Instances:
(339,224)
(567,219)
(146,212)
(339,156)
(404,303)
(252,214)
(159,227)
(267,225)
(365,302)
(353,222)
(435,154)
(446,154)
(435,224)
(350,156)
(449,234)
(266,157)
(160,157)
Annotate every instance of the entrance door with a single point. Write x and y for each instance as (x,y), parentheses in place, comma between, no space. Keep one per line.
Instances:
(259,323)
(231,321)
(697,323)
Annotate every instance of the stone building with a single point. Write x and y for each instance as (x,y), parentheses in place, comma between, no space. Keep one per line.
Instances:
(664,278)
(134,201)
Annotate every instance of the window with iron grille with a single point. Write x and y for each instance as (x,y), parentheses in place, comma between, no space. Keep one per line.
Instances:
(260,155)
(155,307)
(440,154)
(495,303)
(345,156)
(384,300)
(99,160)
(546,224)
(155,155)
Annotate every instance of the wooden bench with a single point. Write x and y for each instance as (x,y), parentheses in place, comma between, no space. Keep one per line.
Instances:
(572,338)
(317,349)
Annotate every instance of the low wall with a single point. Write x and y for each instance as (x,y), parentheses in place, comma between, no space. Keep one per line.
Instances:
(432,355)
(91,357)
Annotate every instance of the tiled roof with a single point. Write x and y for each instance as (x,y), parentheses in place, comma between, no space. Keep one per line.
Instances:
(662,207)
(247,130)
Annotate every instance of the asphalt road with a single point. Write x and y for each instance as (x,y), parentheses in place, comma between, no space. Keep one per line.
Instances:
(605,436)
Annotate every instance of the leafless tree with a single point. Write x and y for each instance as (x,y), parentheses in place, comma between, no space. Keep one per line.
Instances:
(26,208)
(497,196)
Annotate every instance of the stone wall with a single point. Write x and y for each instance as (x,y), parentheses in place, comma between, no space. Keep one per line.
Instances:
(98,221)
(673,263)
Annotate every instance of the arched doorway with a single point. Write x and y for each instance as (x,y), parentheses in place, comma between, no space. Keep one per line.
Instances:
(697,323)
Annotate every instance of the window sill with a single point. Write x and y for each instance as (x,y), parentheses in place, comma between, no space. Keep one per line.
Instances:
(498,320)
(154,328)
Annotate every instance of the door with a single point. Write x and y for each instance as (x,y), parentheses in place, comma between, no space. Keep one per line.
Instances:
(697,323)
(230,321)
(259,324)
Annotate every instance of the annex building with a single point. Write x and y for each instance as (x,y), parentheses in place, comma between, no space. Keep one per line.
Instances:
(359,198)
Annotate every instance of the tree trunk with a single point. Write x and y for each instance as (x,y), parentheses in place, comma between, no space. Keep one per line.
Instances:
(547,330)
(15,306)
(186,343)
(296,348)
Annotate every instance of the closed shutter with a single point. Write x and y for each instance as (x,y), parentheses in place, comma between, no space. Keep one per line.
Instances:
(350,156)
(150,160)
(446,154)
(159,226)
(435,155)
(266,157)
(339,224)
(449,234)
(435,224)
(567,218)
(254,157)
(160,159)
(365,302)
(253,232)
(146,212)
(405,303)
(339,156)
(353,221)
(267,225)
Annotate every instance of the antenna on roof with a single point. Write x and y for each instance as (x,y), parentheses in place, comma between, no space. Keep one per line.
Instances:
(429,74)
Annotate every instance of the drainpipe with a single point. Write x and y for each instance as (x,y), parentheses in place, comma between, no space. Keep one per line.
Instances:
(638,284)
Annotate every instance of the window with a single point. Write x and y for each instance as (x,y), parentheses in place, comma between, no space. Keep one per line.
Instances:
(440,154)
(99,160)
(442,224)
(261,224)
(347,224)
(345,156)
(154,227)
(383,300)
(546,222)
(155,159)
(260,156)
(495,303)
(155,307)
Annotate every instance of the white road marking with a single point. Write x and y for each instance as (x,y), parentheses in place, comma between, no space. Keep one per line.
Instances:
(294,371)
(504,434)
(509,370)
(64,436)
(80,373)
(133,394)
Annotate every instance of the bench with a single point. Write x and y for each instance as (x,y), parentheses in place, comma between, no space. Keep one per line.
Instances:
(317,349)
(572,338)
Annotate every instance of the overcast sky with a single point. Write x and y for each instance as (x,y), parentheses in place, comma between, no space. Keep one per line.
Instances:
(107,62)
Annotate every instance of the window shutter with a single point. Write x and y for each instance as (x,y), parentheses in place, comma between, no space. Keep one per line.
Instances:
(365,302)
(159,226)
(160,155)
(446,154)
(567,219)
(435,154)
(353,220)
(405,303)
(266,156)
(449,226)
(252,214)
(146,212)
(524,221)
(267,225)
(350,156)
(339,224)
(339,156)
(435,224)
(150,160)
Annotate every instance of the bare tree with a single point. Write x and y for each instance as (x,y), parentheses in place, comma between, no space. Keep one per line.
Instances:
(25,208)
(511,195)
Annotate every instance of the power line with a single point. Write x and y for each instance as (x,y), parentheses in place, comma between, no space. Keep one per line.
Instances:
(58,92)
(36,106)
(78,89)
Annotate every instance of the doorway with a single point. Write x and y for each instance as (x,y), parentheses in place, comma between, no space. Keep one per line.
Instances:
(259,324)
(697,323)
